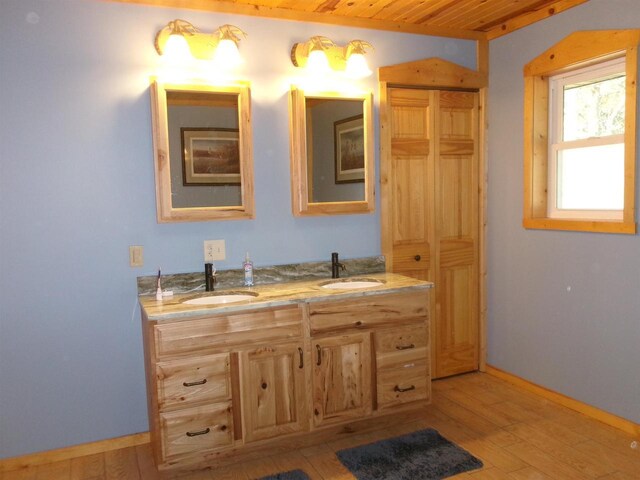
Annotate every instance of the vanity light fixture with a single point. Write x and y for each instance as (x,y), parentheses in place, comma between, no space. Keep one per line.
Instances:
(320,55)
(180,39)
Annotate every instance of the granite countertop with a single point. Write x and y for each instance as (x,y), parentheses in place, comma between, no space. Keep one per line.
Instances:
(275,294)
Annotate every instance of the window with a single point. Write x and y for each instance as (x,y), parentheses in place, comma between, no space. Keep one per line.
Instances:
(586,142)
(580,134)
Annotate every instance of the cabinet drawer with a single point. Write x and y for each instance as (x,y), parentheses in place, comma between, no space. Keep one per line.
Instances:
(193,380)
(368,311)
(402,385)
(195,430)
(227,330)
(399,347)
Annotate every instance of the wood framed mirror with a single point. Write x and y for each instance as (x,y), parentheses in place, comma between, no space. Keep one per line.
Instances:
(202,151)
(331,141)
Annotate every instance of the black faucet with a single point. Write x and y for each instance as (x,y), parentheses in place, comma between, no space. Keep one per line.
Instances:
(336,266)
(209,277)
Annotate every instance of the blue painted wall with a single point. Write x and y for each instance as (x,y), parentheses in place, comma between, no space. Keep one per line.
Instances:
(77,188)
(564,307)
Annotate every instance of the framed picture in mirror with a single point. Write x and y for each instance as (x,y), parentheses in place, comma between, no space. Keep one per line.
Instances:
(210,156)
(349,149)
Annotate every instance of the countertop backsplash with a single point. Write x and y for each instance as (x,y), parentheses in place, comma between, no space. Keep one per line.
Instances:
(194,282)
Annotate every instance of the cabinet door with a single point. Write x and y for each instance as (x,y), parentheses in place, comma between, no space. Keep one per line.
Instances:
(341,378)
(456,226)
(273,395)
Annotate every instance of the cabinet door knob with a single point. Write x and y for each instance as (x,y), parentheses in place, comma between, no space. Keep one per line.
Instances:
(301,358)
(407,389)
(417,258)
(193,384)
(201,432)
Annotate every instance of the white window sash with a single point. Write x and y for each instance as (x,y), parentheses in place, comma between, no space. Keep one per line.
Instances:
(556,144)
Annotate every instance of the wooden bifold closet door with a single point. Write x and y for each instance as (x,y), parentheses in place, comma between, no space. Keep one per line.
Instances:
(430,195)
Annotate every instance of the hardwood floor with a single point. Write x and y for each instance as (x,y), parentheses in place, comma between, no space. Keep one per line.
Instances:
(516,434)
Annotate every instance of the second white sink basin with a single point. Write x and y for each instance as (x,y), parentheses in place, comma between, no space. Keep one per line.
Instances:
(351,284)
(221,298)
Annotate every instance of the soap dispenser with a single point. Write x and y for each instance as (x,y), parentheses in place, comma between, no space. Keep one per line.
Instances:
(247,265)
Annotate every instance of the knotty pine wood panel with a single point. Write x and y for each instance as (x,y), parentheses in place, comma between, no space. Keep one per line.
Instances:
(411,175)
(409,180)
(403,385)
(274,400)
(476,15)
(457,197)
(342,369)
(226,330)
(193,380)
(399,347)
(374,311)
(457,304)
(413,259)
(478,20)
(196,430)
(457,252)
(457,333)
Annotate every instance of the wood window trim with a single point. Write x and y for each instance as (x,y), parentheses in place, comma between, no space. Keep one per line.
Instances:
(577,50)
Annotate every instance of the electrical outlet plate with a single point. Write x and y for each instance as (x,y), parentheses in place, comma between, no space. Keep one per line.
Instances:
(136,258)
(214,250)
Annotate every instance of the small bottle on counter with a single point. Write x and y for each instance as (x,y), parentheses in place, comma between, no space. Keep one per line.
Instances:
(247,265)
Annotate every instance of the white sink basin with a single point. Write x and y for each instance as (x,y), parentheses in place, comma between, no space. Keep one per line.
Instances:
(220,299)
(349,284)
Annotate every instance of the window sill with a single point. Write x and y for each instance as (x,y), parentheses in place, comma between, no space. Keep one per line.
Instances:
(601,226)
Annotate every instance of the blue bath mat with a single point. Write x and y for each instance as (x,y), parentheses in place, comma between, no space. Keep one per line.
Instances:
(291,475)
(422,455)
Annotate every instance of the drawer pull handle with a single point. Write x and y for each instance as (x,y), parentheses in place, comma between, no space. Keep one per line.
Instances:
(301,358)
(193,384)
(417,258)
(201,432)
(405,347)
(408,389)
(319,361)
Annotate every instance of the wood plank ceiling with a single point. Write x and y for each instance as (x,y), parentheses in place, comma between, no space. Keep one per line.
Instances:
(469,19)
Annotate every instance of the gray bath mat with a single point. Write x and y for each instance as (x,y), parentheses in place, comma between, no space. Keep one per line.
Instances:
(291,475)
(422,455)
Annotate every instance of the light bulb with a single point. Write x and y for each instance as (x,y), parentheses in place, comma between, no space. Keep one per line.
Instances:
(357,66)
(227,54)
(176,50)
(318,63)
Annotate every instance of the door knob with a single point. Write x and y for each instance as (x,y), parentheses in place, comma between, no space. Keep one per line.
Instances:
(417,258)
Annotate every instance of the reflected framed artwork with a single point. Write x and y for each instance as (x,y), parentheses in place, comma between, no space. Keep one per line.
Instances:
(210,156)
(349,145)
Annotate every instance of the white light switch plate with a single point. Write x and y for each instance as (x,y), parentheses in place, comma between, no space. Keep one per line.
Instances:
(214,250)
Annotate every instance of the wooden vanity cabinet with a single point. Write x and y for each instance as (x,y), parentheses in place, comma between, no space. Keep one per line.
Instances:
(200,371)
(270,379)
(380,361)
